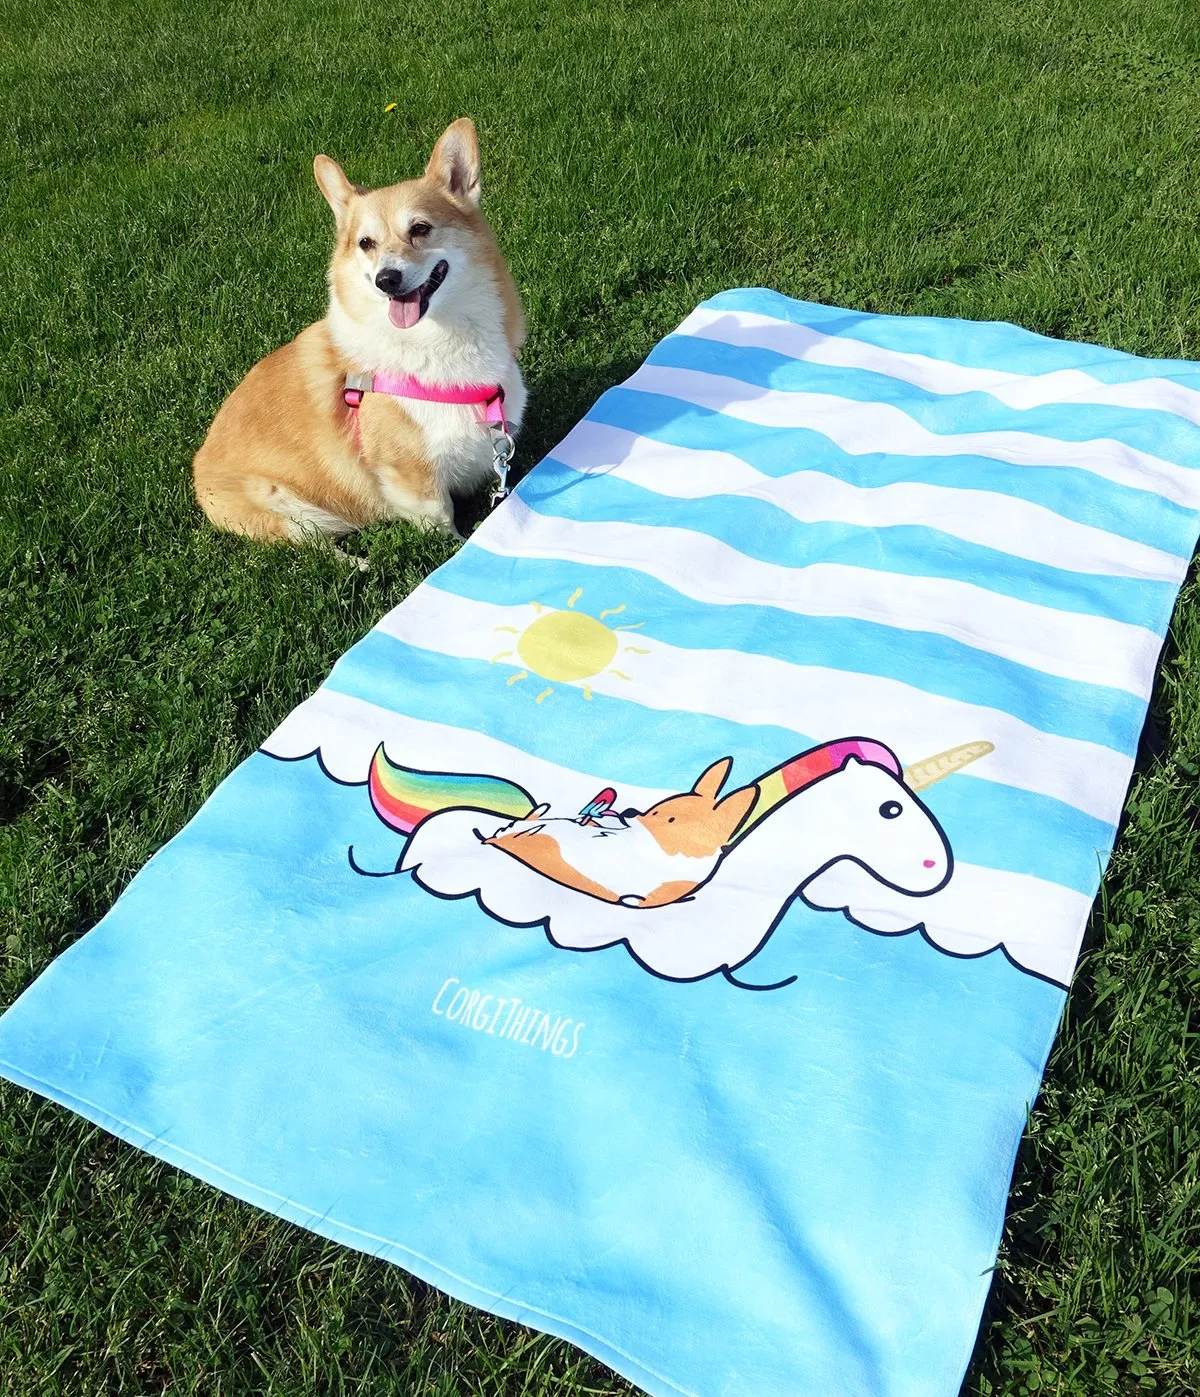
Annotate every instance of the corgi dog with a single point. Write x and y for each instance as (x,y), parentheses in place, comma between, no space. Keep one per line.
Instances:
(637,858)
(419,294)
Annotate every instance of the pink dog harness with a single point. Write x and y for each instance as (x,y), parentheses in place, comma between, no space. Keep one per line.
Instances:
(489,396)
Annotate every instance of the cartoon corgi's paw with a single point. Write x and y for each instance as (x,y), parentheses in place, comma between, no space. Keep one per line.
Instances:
(527,824)
(665,894)
(510,835)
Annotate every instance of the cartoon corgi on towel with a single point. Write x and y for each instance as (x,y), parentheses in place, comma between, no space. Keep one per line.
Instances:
(697,883)
(637,858)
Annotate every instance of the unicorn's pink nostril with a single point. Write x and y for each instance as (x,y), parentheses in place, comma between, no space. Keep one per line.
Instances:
(929,863)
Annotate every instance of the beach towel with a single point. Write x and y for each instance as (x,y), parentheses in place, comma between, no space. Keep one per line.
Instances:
(654,929)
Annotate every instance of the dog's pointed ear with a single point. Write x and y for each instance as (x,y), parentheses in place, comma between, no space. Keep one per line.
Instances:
(710,781)
(737,805)
(454,163)
(337,189)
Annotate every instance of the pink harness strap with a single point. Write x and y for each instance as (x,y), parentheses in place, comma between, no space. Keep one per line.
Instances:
(488,395)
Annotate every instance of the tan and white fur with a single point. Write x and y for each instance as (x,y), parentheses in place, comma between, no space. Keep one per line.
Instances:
(640,859)
(285,456)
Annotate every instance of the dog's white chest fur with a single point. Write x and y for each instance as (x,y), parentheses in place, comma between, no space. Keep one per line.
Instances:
(474,350)
(458,442)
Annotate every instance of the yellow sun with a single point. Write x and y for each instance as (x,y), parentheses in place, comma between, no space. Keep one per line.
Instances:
(567,646)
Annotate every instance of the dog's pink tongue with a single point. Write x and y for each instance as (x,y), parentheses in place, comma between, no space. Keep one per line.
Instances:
(405,311)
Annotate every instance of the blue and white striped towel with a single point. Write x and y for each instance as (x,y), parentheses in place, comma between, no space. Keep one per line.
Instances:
(874,605)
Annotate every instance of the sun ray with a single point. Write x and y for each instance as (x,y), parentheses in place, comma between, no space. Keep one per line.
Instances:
(574,597)
(634,650)
(616,674)
(612,611)
(632,627)
(512,630)
(545,694)
(587,693)
(503,655)
(524,674)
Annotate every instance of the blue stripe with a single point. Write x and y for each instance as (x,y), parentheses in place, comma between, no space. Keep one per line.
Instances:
(766,532)
(778,451)
(1043,837)
(974,344)
(644,746)
(1160,434)
(936,664)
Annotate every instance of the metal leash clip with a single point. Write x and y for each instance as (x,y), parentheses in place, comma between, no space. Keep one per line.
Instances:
(502,450)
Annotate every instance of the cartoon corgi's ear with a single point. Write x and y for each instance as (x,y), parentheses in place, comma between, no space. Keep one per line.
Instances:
(337,189)
(454,163)
(712,779)
(736,805)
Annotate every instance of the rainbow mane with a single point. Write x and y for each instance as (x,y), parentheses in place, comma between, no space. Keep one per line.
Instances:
(402,796)
(797,772)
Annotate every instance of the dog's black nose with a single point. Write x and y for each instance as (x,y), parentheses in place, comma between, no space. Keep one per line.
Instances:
(390,281)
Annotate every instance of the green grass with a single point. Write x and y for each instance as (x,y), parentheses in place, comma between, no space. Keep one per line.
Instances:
(161,231)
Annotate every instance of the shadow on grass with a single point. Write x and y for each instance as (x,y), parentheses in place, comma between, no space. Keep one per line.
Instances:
(557,401)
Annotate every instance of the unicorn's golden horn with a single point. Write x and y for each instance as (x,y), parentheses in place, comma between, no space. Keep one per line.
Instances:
(925,773)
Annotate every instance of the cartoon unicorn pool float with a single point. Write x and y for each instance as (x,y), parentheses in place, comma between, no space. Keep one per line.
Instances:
(695,884)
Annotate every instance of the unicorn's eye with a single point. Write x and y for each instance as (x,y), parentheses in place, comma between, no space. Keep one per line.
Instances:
(890,809)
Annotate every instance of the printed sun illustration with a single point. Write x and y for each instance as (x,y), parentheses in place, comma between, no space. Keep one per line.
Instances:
(567,646)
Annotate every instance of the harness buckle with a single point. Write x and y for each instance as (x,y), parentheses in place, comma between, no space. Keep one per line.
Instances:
(356,386)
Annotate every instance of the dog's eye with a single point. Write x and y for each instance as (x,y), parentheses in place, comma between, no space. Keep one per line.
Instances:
(367,244)
(890,809)
(420,230)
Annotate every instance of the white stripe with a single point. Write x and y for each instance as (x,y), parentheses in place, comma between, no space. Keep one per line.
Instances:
(1090,649)
(816,703)
(865,428)
(1010,525)
(347,730)
(1039,924)
(1060,387)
